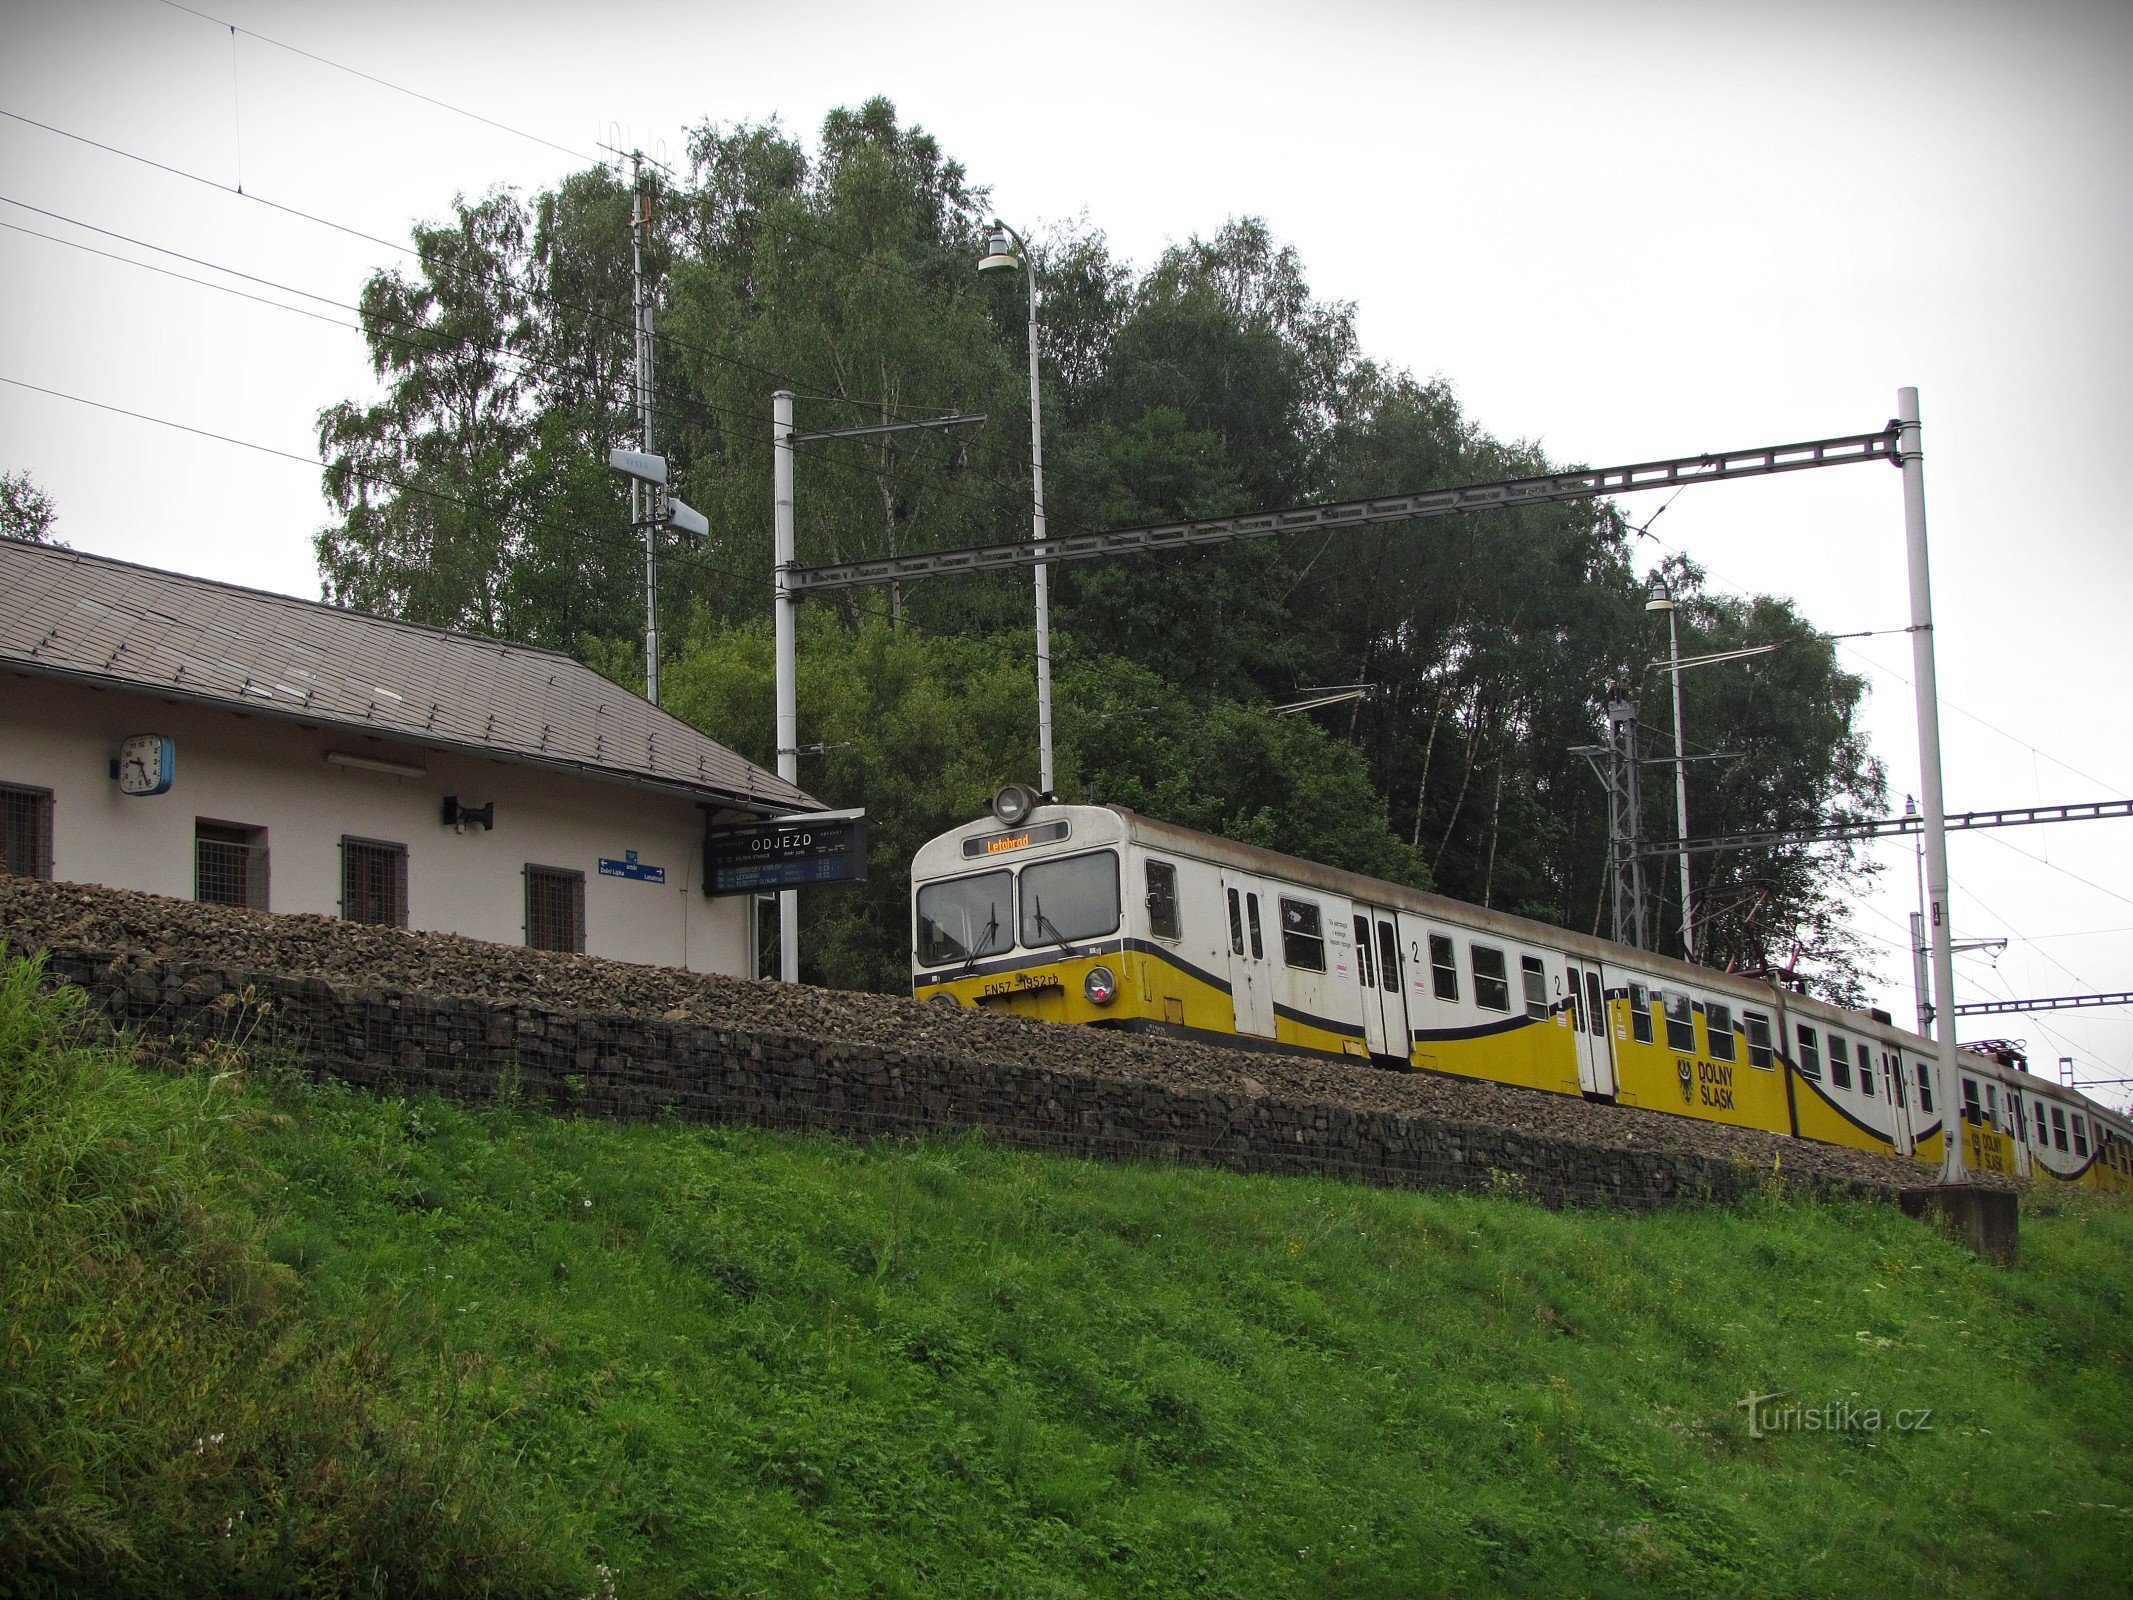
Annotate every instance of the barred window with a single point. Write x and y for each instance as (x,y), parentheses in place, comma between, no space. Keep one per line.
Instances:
(373,881)
(25,831)
(229,864)
(555,909)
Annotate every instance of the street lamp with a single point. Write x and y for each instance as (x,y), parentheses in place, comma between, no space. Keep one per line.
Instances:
(1661,598)
(1005,251)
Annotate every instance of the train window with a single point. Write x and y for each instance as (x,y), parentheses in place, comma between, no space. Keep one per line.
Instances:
(1303,939)
(1758,1029)
(1076,898)
(1595,1011)
(1810,1052)
(1236,926)
(1973,1110)
(1251,917)
(965,918)
(1718,1028)
(1163,900)
(1924,1074)
(1577,997)
(1892,1070)
(1362,952)
(1680,1023)
(1866,1071)
(1992,1104)
(1840,1061)
(1388,957)
(1443,968)
(2058,1127)
(1492,981)
(1535,976)
(2042,1136)
(1640,1013)
(2081,1136)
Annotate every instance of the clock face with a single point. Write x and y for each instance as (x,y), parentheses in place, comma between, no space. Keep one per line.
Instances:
(146,764)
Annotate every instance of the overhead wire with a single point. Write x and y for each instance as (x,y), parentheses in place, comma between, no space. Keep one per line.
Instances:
(785,380)
(445,496)
(693,406)
(873,263)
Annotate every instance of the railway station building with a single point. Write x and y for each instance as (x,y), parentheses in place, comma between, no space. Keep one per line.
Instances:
(206,741)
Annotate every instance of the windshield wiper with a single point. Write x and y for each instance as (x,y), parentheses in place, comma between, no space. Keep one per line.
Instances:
(984,944)
(1058,938)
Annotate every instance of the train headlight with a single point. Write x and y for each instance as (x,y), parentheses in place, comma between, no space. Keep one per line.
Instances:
(1100,985)
(1014,802)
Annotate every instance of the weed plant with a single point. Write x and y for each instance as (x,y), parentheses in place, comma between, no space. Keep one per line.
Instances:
(467,1348)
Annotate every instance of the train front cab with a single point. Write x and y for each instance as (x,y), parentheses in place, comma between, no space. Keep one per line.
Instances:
(1029,919)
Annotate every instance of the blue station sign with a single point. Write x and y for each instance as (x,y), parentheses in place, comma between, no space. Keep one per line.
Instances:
(630,867)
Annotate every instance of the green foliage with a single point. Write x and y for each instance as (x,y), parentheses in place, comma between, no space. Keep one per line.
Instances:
(919,729)
(734,1362)
(26,511)
(1212,382)
(172,1418)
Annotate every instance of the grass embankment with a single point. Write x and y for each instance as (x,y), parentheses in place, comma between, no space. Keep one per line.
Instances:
(263,1336)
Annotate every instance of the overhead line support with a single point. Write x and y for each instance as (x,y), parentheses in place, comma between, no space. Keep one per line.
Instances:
(2057,1002)
(1893,827)
(1506,494)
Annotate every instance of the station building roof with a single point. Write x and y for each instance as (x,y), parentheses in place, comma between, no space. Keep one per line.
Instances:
(89,618)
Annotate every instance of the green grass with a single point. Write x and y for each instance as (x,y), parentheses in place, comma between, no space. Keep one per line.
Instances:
(454,1350)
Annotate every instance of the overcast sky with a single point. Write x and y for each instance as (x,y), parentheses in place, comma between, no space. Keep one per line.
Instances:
(1625,231)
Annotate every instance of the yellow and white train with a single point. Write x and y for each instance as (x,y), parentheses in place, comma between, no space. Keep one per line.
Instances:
(1097,915)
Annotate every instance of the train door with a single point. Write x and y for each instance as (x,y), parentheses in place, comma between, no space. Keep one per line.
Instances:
(1431,991)
(1251,977)
(1588,1019)
(1899,1103)
(1366,980)
(1377,943)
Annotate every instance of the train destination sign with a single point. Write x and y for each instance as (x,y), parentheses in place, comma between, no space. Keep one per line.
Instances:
(791,853)
(992,844)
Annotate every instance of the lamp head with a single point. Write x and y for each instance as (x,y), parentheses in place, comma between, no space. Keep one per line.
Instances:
(1661,598)
(1000,253)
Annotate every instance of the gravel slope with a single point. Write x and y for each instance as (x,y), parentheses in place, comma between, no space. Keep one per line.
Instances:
(34,915)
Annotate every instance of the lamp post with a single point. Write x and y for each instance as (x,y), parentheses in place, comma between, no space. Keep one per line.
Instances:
(1005,251)
(1662,599)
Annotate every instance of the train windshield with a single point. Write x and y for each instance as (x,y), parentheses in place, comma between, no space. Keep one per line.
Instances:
(965,919)
(1072,899)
